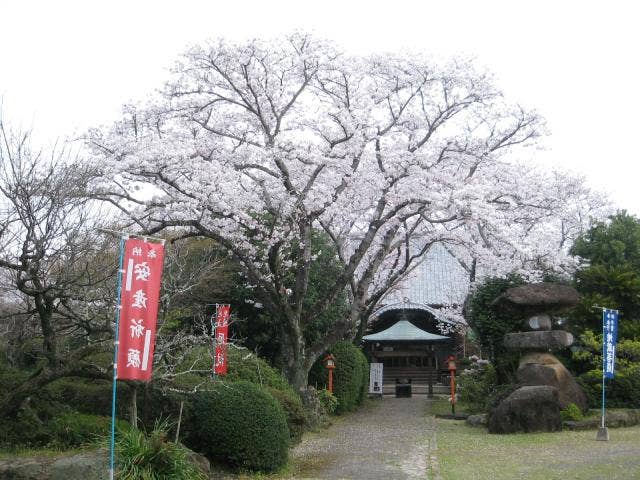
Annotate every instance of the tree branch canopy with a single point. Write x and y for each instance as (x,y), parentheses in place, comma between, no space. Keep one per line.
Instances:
(261,145)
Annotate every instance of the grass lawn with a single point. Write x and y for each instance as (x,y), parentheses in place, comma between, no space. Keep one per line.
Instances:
(467,453)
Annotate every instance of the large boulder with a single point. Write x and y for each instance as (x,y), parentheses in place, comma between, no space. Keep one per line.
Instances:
(538,298)
(546,369)
(528,409)
(539,340)
(84,466)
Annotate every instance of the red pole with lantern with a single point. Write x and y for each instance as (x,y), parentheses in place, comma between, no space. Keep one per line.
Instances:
(452,370)
(330,364)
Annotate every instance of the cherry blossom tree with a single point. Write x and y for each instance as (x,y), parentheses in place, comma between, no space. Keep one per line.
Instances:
(259,145)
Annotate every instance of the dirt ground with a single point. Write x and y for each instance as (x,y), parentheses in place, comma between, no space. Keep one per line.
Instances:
(392,438)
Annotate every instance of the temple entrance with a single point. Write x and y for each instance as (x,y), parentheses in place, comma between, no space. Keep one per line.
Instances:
(410,361)
(413,359)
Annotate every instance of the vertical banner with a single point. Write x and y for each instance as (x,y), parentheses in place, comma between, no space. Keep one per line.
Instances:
(141,275)
(375,378)
(221,336)
(609,340)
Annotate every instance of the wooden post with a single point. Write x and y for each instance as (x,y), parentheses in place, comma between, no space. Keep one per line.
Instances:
(133,410)
(451,361)
(330,380)
(179,422)
(453,392)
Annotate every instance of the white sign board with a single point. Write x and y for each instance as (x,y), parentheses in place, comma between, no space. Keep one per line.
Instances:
(375,378)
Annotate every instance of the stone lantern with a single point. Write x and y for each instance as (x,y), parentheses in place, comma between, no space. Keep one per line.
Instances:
(545,385)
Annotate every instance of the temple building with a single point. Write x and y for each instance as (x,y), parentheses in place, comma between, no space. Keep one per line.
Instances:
(404,332)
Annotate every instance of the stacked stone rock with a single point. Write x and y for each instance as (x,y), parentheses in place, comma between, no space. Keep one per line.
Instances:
(545,385)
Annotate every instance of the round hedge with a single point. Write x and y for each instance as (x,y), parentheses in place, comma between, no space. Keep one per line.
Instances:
(244,365)
(364,388)
(239,424)
(291,403)
(349,376)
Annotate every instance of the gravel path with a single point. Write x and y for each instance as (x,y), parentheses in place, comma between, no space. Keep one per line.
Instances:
(392,438)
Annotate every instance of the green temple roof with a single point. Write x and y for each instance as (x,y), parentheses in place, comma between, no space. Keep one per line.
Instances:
(404,330)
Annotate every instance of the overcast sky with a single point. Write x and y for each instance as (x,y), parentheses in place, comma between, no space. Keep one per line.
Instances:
(68,65)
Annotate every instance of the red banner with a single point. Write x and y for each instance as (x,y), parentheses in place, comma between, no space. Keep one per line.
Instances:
(222,334)
(140,295)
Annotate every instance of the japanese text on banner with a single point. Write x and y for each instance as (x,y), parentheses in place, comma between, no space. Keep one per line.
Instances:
(222,334)
(609,339)
(141,276)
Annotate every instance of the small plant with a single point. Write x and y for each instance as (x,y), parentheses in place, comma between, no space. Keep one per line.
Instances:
(571,413)
(328,401)
(152,456)
(477,385)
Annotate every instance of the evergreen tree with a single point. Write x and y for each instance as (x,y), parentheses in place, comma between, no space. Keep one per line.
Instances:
(610,275)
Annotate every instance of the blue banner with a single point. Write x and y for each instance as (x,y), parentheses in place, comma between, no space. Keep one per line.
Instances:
(609,339)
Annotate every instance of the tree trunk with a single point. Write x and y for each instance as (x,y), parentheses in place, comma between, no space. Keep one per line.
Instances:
(40,379)
(294,369)
(49,340)
(12,402)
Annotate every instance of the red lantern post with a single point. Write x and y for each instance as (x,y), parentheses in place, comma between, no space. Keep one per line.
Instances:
(452,370)
(330,364)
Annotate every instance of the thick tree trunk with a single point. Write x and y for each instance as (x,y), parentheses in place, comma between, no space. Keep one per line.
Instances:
(297,375)
(294,363)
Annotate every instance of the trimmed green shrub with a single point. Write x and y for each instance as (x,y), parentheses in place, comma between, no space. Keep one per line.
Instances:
(53,425)
(364,388)
(294,409)
(244,365)
(73,429)
(27,429)
(10,378)
(328,401)
(348,375)
(571,413)
(89,396)
(153,456)
(239,424)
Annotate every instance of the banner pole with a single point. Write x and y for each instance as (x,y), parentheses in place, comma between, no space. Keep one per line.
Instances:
(610,328)
(115,362)
(603,370)
(214,327)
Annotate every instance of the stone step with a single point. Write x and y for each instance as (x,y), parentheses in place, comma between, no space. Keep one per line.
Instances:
(419,389)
